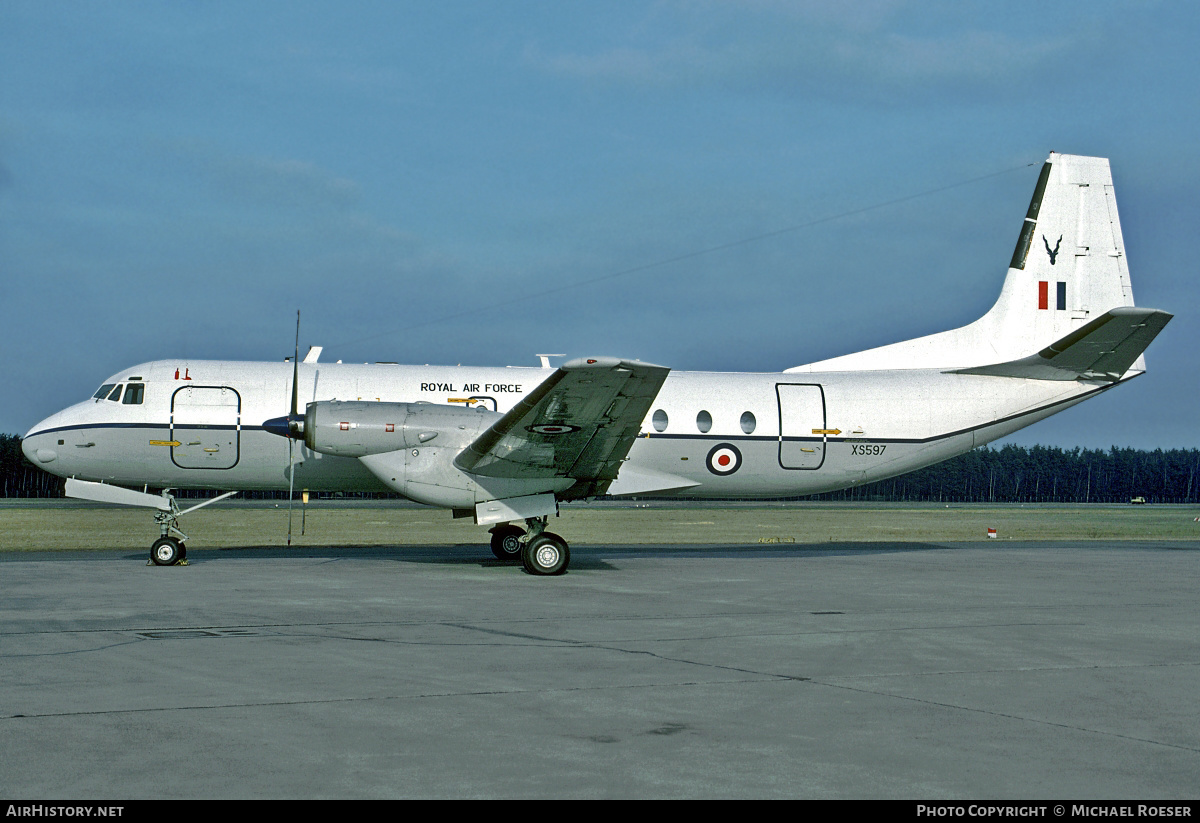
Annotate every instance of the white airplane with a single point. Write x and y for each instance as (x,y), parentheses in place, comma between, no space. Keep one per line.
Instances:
(505,445)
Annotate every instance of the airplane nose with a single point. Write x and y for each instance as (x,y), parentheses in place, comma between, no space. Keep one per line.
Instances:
(28,449)
(37,447)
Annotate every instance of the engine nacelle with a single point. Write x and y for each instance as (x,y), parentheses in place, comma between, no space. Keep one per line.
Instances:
(356,428)
(411,448)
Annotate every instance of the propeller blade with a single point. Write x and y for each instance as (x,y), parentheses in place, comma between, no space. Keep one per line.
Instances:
(296,372)
(291,486)
(295,413)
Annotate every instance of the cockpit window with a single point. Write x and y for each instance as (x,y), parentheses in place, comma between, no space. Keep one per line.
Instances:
(103,391)
(133,394)
(116,393)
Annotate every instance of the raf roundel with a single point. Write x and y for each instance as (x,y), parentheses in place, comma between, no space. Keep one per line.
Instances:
(724,459)
(552,428)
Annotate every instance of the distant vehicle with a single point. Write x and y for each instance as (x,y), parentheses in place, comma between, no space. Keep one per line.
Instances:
(504,446)
(1134,501)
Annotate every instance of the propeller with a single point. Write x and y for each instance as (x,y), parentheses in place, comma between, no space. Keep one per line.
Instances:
(295,426)
(291,427)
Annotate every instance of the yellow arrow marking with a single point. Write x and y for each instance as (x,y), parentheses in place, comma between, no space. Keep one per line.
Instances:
(164,442)
(827,431)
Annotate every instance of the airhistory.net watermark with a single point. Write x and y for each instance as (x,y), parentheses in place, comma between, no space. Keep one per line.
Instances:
(44,810)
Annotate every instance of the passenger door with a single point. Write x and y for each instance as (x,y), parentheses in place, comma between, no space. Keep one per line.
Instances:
(206,423)
(801,416)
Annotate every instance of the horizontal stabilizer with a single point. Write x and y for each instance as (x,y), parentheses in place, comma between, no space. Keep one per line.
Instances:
(1103,349)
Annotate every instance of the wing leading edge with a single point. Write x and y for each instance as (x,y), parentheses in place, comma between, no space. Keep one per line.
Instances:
(579,423)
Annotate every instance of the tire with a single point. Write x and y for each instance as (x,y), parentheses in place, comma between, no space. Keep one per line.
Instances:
(506,542)
(166,551)
(546,554)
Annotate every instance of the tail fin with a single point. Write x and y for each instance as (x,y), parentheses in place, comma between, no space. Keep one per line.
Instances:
(1068,269)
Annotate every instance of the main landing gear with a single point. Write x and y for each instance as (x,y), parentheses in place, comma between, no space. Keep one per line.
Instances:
(506,541)
(540,552)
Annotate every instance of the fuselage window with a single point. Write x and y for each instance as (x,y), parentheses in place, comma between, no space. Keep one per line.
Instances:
(748,422)
(659,420)
(103,391)
(116,393)
(704,422)
(133,394)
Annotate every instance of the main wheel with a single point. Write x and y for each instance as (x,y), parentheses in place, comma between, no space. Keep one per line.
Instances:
(546,554)
(166,551)
(506,542)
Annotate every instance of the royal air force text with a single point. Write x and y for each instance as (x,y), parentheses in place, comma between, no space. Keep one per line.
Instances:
(487,388)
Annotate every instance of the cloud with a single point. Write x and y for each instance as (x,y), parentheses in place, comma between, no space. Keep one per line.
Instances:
(974,55)
(270,180)
(768,45)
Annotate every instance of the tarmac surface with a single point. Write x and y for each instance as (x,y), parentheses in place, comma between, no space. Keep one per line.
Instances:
(1020,670)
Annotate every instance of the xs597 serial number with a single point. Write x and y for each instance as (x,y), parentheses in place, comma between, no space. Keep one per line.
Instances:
(866,449)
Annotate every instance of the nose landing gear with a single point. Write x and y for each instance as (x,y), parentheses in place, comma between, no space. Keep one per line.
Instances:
(169,549)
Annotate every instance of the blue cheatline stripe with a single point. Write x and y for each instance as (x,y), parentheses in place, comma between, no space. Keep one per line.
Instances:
(86,426)
(712,437)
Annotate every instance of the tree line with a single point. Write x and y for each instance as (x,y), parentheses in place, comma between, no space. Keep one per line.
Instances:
(1044,474)
(1010,474)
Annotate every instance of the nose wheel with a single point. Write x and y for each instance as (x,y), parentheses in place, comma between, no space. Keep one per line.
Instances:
(167,551)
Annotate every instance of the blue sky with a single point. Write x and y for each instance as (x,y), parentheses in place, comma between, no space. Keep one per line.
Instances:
(477,182)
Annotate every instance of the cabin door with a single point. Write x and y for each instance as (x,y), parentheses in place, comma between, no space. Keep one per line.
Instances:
(206,424)
(801,425)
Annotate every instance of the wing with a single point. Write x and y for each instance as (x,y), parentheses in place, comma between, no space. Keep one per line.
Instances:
(579,423)
(1103,349)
